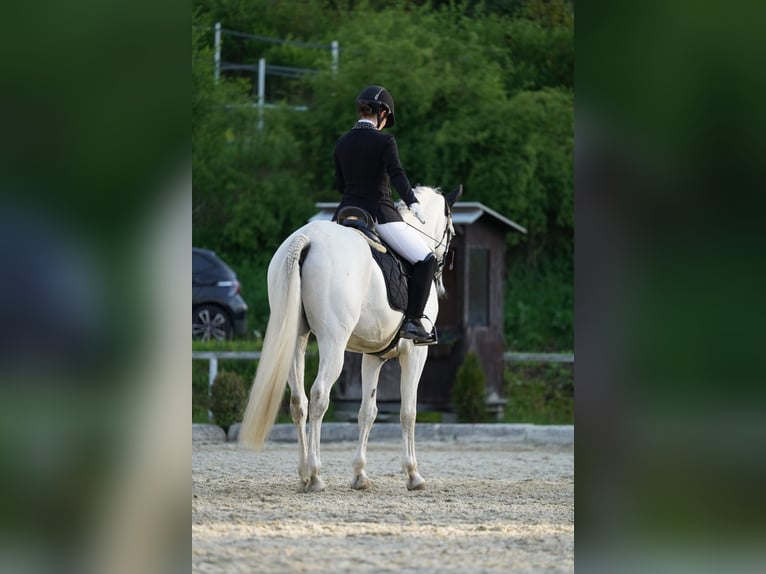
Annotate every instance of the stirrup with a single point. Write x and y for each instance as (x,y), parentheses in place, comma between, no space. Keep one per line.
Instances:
(431,340)
(418,334)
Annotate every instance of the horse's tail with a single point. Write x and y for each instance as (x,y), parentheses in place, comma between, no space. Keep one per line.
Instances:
(278,345)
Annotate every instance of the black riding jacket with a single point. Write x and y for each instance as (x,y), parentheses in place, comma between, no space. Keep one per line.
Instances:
(366,160)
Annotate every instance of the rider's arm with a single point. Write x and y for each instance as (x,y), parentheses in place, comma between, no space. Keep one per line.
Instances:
(396,174)
(340,182)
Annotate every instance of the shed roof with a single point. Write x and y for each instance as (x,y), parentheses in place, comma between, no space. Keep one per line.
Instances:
(468,212)
(463,213)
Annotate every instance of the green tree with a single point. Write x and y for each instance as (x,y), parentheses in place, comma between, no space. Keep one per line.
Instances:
(523,167)
(469,393)
(211,112)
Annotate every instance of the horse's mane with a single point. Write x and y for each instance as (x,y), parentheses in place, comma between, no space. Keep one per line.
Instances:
(419,190)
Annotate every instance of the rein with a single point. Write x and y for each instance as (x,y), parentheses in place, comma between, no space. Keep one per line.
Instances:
(438,243)
(441,262)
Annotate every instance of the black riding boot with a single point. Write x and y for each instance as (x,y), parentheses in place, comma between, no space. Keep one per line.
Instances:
(419,289)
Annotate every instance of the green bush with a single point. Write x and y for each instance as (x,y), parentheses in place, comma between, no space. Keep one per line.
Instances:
(200,391)
(540,393)
(469,394)
(539,304)
(201,369)
(227,398)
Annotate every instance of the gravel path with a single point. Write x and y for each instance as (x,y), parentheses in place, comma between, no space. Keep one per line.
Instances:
(496,507)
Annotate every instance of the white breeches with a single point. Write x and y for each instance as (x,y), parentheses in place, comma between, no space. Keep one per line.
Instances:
(405,240)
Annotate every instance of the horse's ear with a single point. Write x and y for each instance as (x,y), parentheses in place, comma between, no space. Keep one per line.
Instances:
(454,195)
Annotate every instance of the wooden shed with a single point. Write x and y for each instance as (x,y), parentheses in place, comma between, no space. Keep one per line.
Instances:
(471,317)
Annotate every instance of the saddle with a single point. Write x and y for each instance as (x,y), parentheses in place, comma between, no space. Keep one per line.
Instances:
(395,269)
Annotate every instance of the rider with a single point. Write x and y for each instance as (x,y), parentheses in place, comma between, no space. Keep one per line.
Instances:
(366,160)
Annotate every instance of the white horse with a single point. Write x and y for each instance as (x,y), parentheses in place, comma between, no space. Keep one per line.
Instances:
(323,279)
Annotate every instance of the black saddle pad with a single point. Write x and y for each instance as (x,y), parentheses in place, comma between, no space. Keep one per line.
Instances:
(395,273)
(395,270)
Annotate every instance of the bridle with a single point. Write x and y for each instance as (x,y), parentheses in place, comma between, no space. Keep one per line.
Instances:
(448,234)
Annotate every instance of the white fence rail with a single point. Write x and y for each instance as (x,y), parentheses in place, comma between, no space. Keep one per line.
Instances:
(538,357)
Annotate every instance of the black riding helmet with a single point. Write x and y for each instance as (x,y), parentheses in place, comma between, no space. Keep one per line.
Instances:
(378,97)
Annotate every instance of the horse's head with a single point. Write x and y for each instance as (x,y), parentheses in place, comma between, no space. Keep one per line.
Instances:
(437,230)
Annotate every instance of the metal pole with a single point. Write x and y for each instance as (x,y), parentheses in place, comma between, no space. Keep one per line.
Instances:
(335,50)
(217,56)
(213,370)
(261,90)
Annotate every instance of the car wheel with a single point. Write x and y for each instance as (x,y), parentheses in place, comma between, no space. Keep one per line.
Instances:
(210,322)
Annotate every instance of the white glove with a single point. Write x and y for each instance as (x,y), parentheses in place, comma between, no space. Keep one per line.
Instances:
(417,211)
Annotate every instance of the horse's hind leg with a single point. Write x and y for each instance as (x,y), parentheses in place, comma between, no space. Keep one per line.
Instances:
(330,366)
(368,410)
(299,403)
(412,364)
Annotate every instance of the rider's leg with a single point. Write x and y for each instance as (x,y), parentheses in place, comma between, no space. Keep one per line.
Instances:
(405,240)
(408,243)
(419,290)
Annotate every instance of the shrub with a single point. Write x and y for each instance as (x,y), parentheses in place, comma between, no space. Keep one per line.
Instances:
(540,393)
(227,398)
(470,391)
(200,391)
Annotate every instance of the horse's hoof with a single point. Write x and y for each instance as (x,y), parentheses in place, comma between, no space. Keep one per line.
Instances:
(314,485)
(361,482)
(417,483)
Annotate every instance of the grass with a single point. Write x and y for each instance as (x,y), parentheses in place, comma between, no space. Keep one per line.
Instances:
(429,417)
(231,345)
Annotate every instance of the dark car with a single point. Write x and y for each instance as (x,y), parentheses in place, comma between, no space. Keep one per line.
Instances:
(218,310)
